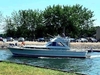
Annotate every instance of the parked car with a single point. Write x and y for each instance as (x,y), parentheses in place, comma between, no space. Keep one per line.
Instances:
(91,39)
(81,40)
(41,40)
(72,39)
(78,40)
(21,39)
(98,40)
(1,39)
(10,39)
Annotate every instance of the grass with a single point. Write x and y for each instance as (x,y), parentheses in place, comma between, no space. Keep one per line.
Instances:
(7,68)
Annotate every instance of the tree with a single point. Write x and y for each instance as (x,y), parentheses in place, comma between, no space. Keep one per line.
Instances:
(1,22)
(82,18)
(24,23)
(52,16)
(10,27)
(72,20)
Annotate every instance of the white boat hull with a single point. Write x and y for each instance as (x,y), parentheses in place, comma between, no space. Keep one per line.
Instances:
(47,53)
(57,47)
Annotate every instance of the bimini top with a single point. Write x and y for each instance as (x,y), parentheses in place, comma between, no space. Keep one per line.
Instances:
(58,42)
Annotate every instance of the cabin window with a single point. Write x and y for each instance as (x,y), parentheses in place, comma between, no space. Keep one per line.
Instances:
(56,44)
(59,44)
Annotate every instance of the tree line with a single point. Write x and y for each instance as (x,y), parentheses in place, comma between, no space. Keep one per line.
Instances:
(75,21)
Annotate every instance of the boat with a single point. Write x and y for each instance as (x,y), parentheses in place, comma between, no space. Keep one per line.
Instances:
(56,47)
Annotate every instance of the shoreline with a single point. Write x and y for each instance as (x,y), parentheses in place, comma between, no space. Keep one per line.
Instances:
(73,45)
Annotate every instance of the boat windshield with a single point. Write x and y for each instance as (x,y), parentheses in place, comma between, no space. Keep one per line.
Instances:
(56,44)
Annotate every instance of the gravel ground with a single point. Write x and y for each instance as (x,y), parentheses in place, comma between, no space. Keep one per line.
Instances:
(87,45)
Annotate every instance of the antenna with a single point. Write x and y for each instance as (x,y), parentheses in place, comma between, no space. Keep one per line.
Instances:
(50,35)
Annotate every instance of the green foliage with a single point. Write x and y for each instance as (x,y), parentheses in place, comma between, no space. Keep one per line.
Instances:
(70,20)
(73,20)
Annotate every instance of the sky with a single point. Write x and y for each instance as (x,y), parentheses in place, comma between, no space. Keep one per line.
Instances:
(9,6)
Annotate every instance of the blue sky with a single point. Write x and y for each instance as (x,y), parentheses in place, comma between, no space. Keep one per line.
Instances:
(8,6)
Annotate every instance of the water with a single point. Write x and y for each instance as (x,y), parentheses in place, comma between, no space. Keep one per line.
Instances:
(90,66)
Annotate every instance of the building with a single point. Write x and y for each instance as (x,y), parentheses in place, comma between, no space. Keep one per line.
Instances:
(98,33)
